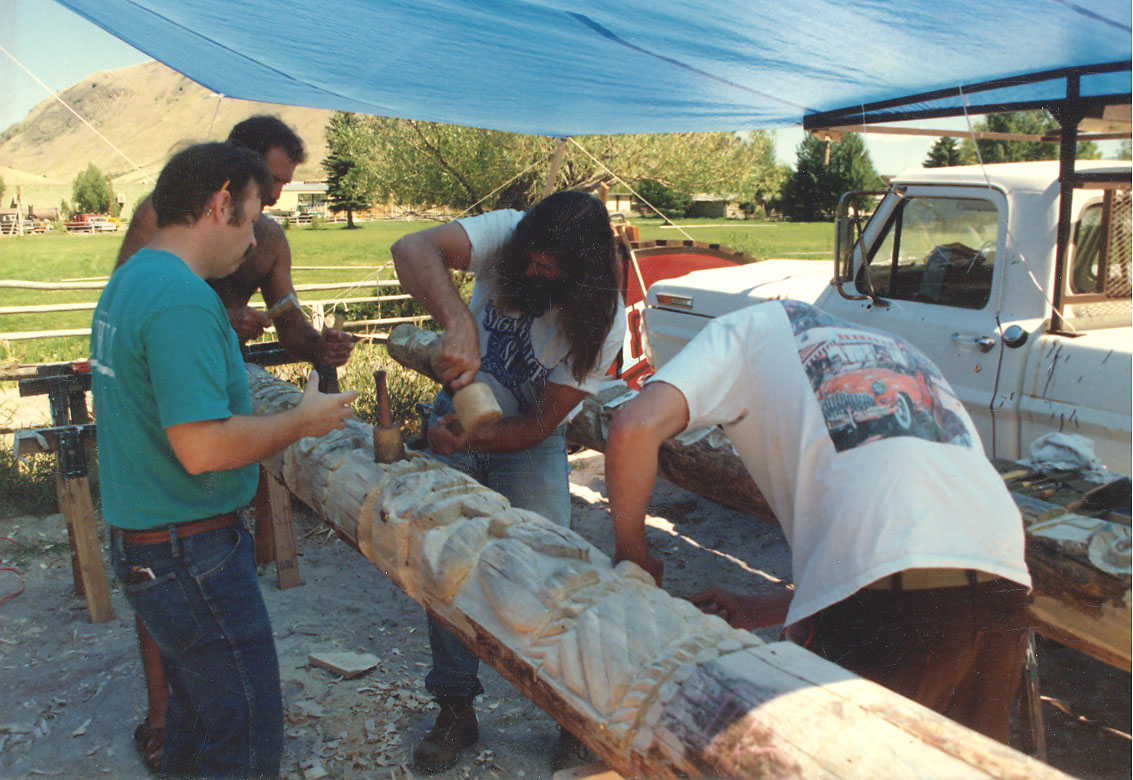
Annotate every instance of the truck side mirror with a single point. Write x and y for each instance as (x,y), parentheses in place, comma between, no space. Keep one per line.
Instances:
(850,223)
(843,249)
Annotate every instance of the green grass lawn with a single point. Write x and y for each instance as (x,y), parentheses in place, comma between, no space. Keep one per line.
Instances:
(761,240)
(357,253)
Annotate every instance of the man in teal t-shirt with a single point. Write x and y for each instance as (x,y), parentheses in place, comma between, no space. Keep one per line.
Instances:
(164,355)
(178,448)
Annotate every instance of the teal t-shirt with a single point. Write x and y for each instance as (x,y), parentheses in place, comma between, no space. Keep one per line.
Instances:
(163,354)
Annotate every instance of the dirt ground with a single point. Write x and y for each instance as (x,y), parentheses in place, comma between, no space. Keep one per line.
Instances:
(71,692)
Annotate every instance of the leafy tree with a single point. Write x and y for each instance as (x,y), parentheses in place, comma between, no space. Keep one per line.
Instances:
(1021,122)
(351,183)
(944,153)
(1125,152)
(669,202)
(90,191)
(813,190)
(425,163)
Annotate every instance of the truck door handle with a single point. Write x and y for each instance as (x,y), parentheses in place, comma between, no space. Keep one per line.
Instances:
(982,343)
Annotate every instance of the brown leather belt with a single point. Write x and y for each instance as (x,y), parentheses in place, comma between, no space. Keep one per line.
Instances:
(183,530)
(924,579)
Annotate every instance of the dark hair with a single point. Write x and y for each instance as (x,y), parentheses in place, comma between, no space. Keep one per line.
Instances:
(190,179)
(574,228)
(263,132)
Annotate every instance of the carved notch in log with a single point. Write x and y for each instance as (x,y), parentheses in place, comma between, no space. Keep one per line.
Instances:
(653,686)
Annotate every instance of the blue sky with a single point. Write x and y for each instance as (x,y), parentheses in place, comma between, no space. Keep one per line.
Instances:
(56,45)
(62,48)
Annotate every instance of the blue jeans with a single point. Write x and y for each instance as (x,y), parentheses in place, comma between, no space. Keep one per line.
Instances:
(537,479)
(207,616)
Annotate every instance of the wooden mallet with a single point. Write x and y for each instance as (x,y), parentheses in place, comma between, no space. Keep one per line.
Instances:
(388,445)
(418,349)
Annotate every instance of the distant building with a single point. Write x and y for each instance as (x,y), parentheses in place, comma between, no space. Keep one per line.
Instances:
(618,200)
(715,207)
(302,198)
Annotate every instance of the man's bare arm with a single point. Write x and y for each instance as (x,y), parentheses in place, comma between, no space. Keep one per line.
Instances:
(296,335)
(510,434)
(422,261)
(143,227)
(636,433)
(742,611)
(221,445)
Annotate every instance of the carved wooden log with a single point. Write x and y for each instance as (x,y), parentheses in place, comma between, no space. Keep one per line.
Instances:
(653,686)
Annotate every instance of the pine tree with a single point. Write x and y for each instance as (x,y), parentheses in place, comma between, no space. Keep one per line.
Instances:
(351,185)
(813,190)
(944,153)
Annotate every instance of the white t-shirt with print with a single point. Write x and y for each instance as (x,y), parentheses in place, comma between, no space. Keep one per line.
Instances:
(858,443)
(520,353)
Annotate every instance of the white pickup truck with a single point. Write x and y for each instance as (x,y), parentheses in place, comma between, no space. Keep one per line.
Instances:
(961,262)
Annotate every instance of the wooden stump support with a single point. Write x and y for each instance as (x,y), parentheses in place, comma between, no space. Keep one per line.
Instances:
(86,551)
(275,530)
(656,688)
(72,440)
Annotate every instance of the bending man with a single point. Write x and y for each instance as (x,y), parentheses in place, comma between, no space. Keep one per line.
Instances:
(543,326)
(178,451)
(907,550)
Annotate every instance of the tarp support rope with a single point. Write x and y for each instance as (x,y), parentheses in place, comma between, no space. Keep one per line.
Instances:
(623,182)
(1018,258)
(54,94)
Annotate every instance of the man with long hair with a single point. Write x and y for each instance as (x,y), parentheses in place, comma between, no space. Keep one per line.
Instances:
(543,326)
(178,453)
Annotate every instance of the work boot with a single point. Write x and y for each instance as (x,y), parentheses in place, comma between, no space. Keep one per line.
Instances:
(454,730)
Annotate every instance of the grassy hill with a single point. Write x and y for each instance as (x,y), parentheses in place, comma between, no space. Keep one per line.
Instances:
(147,111)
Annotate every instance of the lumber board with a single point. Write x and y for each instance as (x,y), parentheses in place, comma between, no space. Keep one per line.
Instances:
(283,534)
(261,507)
(655,687)
(90,575)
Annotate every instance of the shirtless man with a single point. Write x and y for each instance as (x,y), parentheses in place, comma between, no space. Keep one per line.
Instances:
(267,267)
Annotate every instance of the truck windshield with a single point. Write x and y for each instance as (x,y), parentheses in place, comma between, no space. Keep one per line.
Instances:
(936,250)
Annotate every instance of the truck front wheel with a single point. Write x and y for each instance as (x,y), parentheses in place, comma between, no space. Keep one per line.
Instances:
(903,414)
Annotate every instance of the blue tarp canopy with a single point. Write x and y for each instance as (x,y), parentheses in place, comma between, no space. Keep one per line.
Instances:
(578,67)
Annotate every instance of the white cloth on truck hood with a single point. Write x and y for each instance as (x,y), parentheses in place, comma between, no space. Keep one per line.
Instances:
(1068,452)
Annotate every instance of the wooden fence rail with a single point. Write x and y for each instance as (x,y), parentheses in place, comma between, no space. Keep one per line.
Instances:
(318,306)
(60,307)
(22,284)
